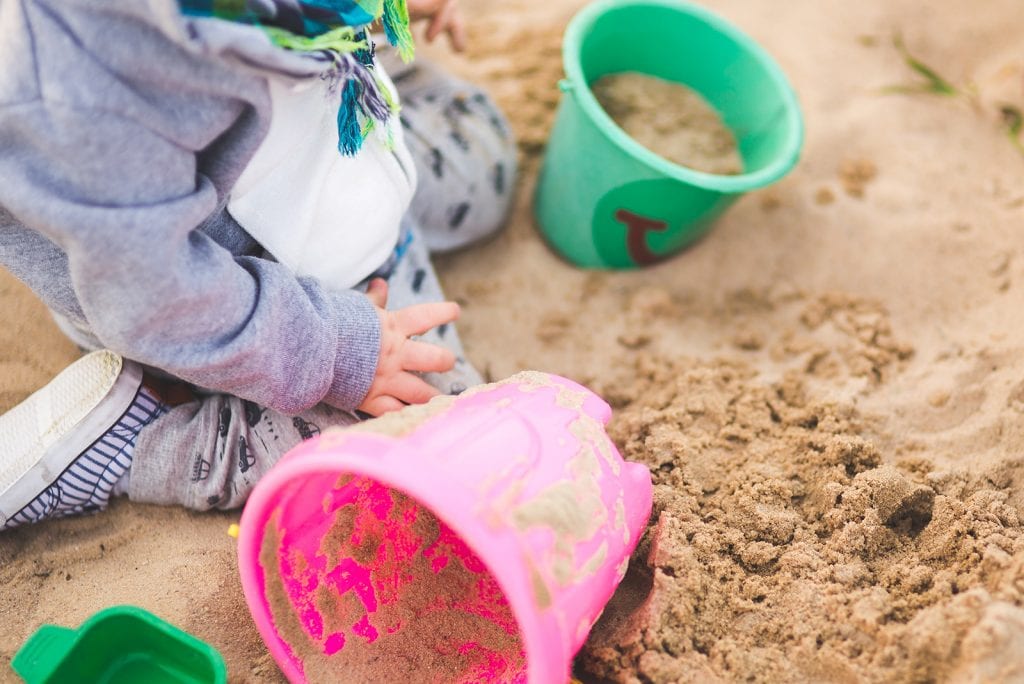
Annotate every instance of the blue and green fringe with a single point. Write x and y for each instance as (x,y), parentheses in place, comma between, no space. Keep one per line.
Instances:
(336,28)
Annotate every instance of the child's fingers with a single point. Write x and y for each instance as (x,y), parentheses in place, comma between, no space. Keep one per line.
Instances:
(457,31)
(411,389)
(435,25)
(419,318)
(441,20)
(381,404)
(426,358)
(377,291)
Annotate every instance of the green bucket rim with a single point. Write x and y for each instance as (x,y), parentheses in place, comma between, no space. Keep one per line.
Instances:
(47,649)
(744,182)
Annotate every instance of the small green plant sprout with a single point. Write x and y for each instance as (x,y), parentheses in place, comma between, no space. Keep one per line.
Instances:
(933,83)
(1014,122)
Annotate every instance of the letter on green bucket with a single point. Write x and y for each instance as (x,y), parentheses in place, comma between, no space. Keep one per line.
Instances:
(642,223)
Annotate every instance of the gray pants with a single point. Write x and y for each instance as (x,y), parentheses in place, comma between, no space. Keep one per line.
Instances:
(210,452)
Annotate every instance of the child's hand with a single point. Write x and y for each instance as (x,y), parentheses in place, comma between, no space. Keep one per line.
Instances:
(445,16)
(394,386)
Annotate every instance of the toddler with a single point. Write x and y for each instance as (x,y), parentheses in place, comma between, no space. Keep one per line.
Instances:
(225,200)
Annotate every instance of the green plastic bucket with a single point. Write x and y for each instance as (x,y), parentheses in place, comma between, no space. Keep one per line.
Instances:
(605,201)
(119,645)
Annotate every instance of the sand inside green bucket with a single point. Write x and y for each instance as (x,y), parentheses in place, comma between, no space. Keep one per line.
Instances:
(671,120)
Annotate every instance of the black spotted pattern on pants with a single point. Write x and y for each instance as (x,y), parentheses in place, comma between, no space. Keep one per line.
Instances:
(464,154)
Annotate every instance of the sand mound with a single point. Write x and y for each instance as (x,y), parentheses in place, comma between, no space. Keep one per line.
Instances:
(783,549)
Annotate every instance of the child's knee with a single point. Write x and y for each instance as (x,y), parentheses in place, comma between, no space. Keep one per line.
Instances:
(489,163)
(466,160)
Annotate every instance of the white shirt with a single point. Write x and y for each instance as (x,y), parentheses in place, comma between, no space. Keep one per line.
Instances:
(333,217)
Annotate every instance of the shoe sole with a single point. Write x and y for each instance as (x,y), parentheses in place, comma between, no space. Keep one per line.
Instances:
(42,436)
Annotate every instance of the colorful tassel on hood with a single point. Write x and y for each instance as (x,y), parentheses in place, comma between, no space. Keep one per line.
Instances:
(396,28)
(335,28)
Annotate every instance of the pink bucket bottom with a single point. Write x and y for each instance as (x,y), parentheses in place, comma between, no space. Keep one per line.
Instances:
(366,585)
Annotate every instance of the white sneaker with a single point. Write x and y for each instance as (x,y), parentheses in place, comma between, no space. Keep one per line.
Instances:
(63,449)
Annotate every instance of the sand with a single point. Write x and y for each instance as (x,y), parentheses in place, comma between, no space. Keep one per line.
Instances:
(828,387)
(784,549)
(670,119)
(436,617)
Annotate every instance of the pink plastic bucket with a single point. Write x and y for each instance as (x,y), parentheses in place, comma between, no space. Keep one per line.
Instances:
(479,546)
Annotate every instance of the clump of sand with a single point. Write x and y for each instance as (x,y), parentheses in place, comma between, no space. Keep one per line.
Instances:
(782,547)
(670,119)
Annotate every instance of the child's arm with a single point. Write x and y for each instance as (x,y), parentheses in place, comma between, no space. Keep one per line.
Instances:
(123,202)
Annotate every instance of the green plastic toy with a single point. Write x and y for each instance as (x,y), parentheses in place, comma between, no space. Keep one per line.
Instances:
(605,201)
(119,645)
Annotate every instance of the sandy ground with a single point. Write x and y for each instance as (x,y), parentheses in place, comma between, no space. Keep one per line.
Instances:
(829,388)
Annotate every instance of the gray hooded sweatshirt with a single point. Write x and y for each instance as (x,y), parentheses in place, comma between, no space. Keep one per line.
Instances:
(123,129)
